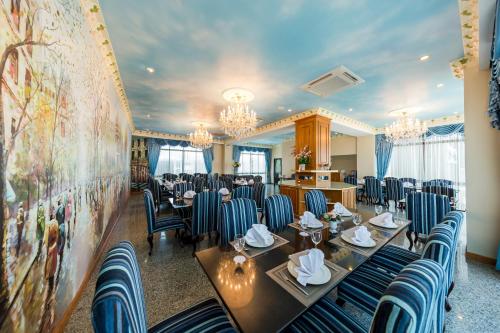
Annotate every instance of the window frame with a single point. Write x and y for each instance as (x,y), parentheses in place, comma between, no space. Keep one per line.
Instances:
(185,151)
(253,171)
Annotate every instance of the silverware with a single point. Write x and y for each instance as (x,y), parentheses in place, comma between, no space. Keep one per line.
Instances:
(286,278)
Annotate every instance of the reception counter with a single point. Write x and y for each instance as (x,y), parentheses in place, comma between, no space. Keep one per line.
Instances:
(336,192)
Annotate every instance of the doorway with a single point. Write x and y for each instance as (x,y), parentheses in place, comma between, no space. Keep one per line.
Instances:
(277,170)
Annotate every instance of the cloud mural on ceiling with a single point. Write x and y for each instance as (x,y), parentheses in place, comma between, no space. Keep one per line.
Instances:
(198,49)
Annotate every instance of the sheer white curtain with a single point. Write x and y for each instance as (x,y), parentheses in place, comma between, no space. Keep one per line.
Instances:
(176,159)
(431,158)
(253,163)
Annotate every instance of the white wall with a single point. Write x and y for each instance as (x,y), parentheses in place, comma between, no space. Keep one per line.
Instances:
(228,159)
(366,162)
(343,145)
(482,167)
(218,162)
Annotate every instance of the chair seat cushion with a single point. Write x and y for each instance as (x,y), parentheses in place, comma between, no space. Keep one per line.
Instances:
(325,316)
(365,286)
(168,223)
(207,316)
(393,258)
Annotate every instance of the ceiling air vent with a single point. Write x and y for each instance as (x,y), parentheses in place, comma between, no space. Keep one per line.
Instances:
(332,82)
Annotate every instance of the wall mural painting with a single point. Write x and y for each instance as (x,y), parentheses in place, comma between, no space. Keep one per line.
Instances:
(65,152)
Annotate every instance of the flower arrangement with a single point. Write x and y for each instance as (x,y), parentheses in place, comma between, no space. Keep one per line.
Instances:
(236,164)
(304,155)
(331,216)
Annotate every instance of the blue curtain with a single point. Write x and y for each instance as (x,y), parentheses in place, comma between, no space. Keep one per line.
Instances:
(444,130)
(267,155)
(383,152)
(494,101)
(208,157)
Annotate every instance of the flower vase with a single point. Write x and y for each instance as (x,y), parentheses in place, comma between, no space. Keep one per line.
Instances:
(302,167)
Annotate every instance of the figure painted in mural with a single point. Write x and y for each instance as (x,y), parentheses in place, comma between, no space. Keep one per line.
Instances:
(20,226)
(61,240)
(52,239)
(67,213)
(40,224)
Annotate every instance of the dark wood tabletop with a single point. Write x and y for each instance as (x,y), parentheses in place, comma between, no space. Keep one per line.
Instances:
(255,301)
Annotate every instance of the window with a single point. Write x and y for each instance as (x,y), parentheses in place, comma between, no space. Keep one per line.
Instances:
(177,159)
(253,163)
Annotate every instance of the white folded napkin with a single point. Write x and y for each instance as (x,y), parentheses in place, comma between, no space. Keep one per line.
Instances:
(384,219)
(339,209)
(250,182)
(361,235)
(308,264)
(189,194)
(407,184)
(260,235)
(224,191)
(309,220)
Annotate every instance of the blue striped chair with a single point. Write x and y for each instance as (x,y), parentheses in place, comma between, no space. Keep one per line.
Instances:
(394,190)
(258,179)
(438,182)
(216,185)
(245,192)
(157,224)
(316,202)
(181,188)
(441,190)
(373,191)
(198,184)
(409,180)
(279,212)
(237,217)
(259,195)
(354,181)
(424,210)
(412,303)
(118,304)
(205,215)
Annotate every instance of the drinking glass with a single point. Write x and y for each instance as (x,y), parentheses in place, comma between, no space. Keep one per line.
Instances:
(378,209)
(356,219)
(316,237)
(239,245)
(303,225)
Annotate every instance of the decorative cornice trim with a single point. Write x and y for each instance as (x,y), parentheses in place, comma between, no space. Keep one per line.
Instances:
(469,23)
(160,135)
(92,11)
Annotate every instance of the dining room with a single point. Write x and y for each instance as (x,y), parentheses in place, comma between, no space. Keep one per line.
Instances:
(264,166)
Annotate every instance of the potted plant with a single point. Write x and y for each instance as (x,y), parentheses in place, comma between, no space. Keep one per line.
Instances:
(236,165)
(303,157)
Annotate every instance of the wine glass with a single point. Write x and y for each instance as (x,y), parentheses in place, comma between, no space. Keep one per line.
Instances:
(356,219)
(378,209)
(316,237)
(239,245)
(303,225)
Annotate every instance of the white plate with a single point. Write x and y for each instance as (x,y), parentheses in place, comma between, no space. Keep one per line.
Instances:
(323,276)
(257,244)
(381,224)
(348,238)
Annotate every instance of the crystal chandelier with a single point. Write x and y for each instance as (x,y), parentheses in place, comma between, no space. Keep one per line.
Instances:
(405,128)
(201,139)
(237,119)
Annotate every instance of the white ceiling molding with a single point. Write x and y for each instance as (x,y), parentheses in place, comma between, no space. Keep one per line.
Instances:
(92,11)
(469,23)
(447,120)
(159,135)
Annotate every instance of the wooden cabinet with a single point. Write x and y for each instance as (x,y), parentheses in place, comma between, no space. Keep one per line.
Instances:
(314,131)
(293,193)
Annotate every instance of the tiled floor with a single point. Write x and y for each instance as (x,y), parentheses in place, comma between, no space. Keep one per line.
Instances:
(173,280)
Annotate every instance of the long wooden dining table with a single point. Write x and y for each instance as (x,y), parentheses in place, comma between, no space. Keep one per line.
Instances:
(261,296)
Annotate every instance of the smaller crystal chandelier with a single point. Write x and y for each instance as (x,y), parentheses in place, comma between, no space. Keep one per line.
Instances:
(405,128)
(201,139)
(237,119)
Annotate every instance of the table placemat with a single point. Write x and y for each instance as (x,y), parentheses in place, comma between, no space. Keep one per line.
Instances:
(297,226)
(280,275)
(252,252)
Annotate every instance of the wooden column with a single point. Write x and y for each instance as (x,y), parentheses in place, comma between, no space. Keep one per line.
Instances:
(314,131)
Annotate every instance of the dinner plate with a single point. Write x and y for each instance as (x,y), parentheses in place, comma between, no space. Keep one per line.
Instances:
(348,238)
(321,277)
(382,225)
(257,244)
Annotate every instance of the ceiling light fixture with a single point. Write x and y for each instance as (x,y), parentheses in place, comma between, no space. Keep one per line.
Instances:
(425,57)
(150,69)
(406,127)
(350,109)
(238,120)
(289,110)
(439,85)
(201,139)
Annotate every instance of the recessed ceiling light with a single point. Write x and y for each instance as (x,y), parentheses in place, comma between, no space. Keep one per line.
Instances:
(439,85)
(289,110)
(350,109)
(425,57)
(150,69)
(148,115)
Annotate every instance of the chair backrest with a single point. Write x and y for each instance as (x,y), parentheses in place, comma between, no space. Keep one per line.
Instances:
(150,210)
(414,301)
(439,247)
(454,219)
(395,190)
(258,179)
(169,176)
(259,194)
(373,188)
(425,210)
(409,180)
(243,192)
(316,202)
(206,208)
(237,217)
(440,189)
(351,180)
(366,177)
(182,188)
(216,185)
(438,182)
(198,183)
(118,304)
(278,210)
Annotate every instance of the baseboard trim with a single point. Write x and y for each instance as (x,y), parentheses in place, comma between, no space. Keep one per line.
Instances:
(61,323)
(480,258)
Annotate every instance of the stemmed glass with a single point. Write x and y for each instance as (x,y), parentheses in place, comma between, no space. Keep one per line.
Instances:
(356,219)
(239,245)
(316,237)
(303,225)
(378,209)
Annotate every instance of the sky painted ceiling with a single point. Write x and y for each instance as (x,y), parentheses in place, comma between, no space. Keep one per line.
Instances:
(200,48)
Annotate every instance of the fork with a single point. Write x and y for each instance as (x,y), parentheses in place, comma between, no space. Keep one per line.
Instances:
(286,278)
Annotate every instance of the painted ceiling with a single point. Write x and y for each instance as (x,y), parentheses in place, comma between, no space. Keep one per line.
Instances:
(200,48)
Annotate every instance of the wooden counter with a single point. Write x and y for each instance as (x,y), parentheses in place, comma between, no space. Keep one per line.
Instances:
(336,192)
